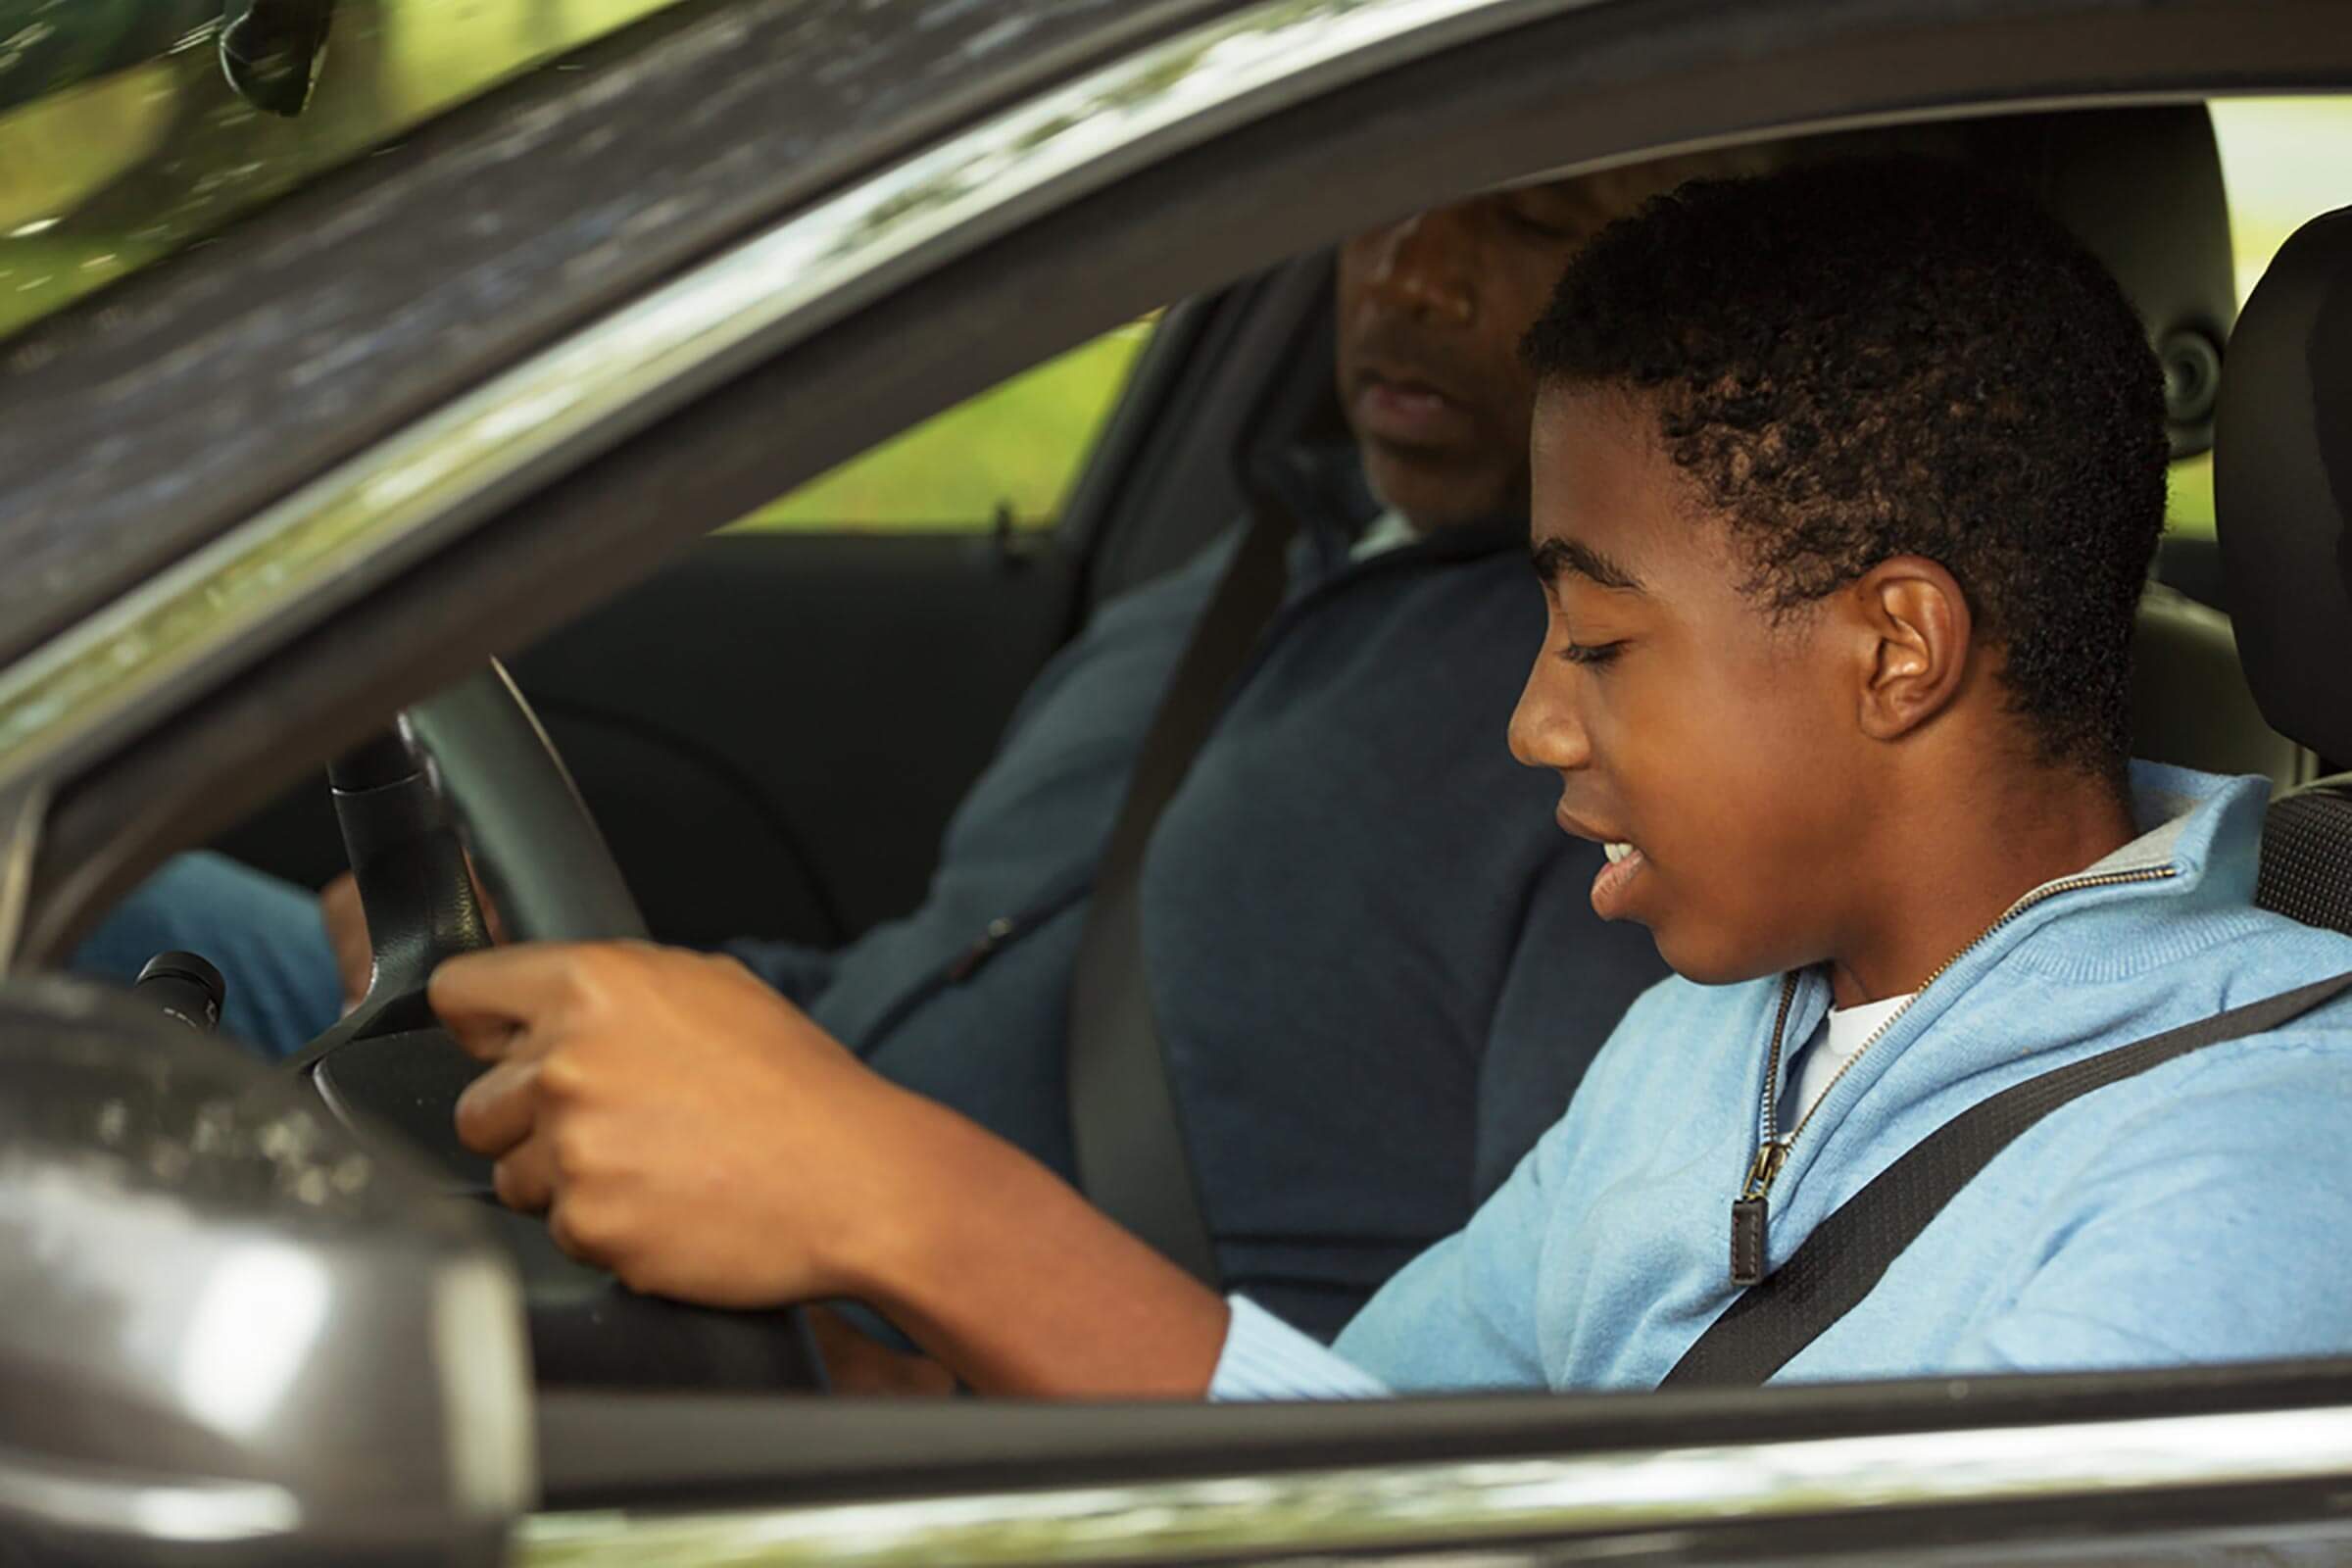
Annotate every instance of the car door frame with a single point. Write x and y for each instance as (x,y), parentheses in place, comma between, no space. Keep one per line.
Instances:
(1467,118)
(2116,1466)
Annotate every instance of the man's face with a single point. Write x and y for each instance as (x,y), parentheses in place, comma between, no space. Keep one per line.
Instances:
(1432,309)
(1681,718)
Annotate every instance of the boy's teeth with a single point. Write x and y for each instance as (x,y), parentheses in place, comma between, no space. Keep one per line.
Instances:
(1616,850)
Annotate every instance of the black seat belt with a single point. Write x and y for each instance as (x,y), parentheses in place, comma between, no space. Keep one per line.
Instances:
(1126,1131)
(1848,1253)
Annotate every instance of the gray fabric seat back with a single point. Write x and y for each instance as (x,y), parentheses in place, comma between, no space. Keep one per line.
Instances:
(2283,492)
(2190,704)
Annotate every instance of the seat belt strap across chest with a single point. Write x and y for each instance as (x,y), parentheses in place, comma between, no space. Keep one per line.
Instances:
(1126,1129)
(1768,1324)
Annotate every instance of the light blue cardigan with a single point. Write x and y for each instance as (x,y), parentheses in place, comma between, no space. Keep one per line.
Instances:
(2197,1212)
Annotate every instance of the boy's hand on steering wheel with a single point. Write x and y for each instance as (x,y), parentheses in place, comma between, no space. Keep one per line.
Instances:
(681,1124)
(688,1129)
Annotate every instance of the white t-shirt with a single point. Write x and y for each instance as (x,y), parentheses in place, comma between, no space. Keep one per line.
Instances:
(1845,1031)
(1382,534)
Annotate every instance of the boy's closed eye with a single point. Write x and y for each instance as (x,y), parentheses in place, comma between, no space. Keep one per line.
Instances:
(1593,654)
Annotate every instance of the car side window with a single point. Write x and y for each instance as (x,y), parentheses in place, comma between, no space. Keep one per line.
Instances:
(1006,457)
(2283,163)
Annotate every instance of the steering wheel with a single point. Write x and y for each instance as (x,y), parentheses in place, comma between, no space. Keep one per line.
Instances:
(471,769)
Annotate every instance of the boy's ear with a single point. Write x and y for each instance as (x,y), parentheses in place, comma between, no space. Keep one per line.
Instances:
(1917,632)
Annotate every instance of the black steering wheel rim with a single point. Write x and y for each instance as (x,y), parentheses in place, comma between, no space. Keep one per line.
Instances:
(537,849)
(474,764)
(470,769)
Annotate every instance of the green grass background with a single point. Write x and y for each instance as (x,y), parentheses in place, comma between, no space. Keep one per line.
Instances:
(2283,160)
(1018,446)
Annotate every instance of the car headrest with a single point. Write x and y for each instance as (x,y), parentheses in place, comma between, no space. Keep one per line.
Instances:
(2141,188)
(2283,487)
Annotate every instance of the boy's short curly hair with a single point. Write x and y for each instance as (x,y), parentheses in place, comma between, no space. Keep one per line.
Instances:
(1855,361)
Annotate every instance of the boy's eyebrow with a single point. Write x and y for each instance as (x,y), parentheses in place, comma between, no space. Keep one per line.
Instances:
(1553,557)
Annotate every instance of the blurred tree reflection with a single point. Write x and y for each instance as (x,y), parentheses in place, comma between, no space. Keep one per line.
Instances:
(122,139)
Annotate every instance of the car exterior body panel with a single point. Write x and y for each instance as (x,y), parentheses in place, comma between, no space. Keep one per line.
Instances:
(890,258)
(2071,1487)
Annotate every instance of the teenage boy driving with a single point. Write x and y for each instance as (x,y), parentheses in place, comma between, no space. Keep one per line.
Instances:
(1845,481)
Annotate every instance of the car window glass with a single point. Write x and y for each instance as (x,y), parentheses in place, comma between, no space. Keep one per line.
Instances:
(2283,162)
(1007,457)
(130,130)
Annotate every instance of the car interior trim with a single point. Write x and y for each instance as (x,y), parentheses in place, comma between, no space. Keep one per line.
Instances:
(1394,1507)
(22,812)
(298,559)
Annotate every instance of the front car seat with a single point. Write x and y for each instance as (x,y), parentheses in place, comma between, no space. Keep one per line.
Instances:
(2282,494)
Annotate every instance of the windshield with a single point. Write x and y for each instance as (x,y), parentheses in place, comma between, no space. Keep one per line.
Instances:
(130,130)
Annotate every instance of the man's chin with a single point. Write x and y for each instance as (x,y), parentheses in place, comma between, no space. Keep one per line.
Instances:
(1432,492)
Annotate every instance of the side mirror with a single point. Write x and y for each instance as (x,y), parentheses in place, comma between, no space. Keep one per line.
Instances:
(227,1331)
(270,50)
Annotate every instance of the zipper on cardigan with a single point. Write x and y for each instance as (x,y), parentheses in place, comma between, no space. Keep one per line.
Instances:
(954,972)
(994,938)
(1002,929)
(1751,1210)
